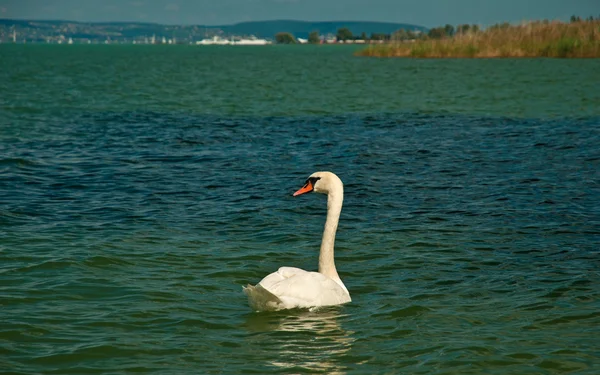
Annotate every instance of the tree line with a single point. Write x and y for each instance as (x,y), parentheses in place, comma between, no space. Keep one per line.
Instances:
(575,18)
(447,31)
(450,31)
(344,34)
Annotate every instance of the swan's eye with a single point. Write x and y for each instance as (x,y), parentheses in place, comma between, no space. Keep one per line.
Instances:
(313,180)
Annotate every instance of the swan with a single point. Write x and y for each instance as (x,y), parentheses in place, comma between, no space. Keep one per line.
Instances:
(292,287)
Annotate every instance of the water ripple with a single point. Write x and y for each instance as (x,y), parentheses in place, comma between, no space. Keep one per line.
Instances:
(469,243)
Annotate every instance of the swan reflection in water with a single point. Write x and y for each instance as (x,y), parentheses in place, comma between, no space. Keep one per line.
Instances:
(301,339)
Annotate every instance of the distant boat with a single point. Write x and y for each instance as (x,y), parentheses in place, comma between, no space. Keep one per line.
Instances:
(215,40)
(252,41)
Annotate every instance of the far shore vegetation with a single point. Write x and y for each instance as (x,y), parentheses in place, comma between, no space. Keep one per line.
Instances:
(577,38)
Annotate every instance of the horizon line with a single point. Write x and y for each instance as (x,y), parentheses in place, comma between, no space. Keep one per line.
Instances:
(198,24)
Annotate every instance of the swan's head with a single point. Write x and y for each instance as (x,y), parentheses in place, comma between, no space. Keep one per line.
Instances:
(321,182)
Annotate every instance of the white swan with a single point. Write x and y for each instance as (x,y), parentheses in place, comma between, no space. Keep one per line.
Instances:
(292,287)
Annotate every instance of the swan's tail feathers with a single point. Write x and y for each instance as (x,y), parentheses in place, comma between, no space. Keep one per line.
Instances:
(261,299)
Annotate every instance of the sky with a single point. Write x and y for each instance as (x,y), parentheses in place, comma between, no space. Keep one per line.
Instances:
(427,13)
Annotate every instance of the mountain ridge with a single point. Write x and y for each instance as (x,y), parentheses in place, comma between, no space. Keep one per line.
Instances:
(43,29)
(302,28)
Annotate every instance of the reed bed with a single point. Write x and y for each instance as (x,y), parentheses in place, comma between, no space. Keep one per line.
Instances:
(532,39)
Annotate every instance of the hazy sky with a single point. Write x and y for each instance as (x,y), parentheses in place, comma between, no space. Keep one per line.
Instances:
(218,12)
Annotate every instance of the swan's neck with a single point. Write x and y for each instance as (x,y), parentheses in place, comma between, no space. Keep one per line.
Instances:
(335,199)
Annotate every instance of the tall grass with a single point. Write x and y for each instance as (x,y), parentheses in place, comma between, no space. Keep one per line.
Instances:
(532,39)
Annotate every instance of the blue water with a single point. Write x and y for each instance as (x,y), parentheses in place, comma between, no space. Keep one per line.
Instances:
(469,239)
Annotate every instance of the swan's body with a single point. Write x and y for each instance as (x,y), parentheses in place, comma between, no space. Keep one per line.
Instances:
(292,287)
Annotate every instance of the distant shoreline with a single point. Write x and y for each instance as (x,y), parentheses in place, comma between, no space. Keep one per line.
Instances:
(580,39)
(40,31)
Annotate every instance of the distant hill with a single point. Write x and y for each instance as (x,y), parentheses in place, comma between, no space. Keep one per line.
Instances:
(55,30)
(301,29)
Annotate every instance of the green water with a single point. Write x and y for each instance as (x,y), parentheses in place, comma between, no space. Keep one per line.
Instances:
(142,186)
(290,80)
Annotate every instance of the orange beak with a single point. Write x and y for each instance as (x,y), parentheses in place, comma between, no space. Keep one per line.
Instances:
(305,189)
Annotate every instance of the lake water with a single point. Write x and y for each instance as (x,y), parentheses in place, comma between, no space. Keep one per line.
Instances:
(142,186)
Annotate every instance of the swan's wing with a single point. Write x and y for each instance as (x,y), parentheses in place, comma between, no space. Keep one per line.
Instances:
(261,299)
(295,287)
(282,273)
